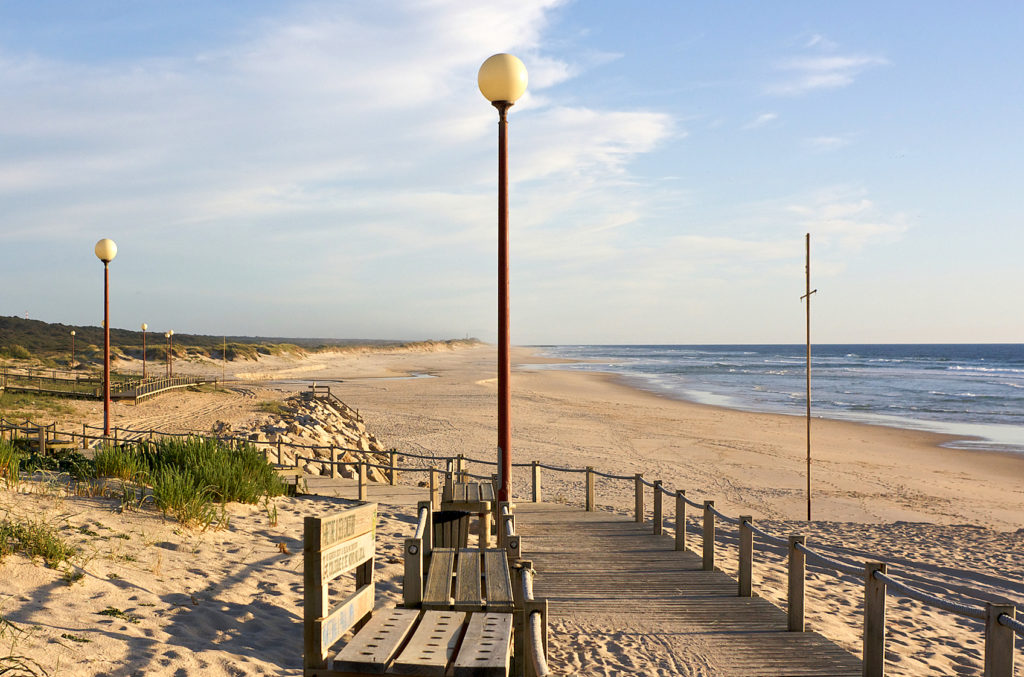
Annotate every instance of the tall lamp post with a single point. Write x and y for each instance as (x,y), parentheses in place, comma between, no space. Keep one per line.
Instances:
(72,365)
(502,79)
(106,250)
(144,328)
(170,354)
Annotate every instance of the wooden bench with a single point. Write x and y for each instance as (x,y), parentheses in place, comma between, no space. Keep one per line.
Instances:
(460,642)
(472,497)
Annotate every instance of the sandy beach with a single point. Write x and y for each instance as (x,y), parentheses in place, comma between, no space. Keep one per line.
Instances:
(225,601)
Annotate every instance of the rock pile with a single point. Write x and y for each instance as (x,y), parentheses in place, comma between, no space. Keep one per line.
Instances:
(322,422)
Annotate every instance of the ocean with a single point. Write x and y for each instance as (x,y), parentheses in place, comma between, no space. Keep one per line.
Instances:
(972,391)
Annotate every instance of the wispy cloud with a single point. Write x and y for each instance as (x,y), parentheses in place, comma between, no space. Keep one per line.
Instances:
(810,73)
(845,218)
(824,144)
(761,120)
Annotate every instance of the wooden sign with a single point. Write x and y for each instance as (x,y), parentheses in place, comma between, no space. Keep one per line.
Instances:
(348,524)
(345,557)
(344,617)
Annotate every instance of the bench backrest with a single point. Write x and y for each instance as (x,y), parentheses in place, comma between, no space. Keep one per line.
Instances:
(333,546)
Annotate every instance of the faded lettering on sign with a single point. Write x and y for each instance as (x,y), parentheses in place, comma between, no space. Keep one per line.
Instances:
(339,622)
(346,556)
(349,524)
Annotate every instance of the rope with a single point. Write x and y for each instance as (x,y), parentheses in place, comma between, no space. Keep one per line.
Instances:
(557,469)
(668,493)
(932,600)
(693,503)
(643,481)
(830,563)
(609,476)
(1011,623)
(768,537)
(726,518)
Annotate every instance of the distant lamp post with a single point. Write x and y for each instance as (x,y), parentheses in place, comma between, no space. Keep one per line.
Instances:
(502,80)
(106,250)
(167,341)
(144,327)
(72,365)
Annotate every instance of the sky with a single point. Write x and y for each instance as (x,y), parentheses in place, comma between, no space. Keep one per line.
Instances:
(328,169)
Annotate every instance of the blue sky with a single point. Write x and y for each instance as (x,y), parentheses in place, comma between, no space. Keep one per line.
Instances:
(328,169)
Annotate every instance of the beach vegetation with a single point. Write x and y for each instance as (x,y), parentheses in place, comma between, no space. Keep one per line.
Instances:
(114,612)
(275,407)
(10,463)
(34,539)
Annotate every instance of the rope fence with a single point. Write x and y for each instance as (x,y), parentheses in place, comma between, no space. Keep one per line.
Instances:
(1000,620)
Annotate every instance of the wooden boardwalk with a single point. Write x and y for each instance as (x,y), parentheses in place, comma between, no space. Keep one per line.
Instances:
(612,584)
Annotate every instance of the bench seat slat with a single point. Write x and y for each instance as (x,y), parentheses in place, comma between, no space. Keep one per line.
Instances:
(467,581)
(432,645)
(375,645)
(486,647)
(497,581)
(437,593)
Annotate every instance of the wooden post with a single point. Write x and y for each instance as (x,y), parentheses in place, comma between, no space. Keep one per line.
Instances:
(334,463)
(657,508)
(874,621)
(537,498)
(591,505)
(638,481)
(42,441)
(279,453)
(449,481)
(460,470)
(433,488)
(295,456)
(394,466)
(362,480)
(115,435)
(315,603)
(681,519)
(795,586)
(412,584)
(709,536)
(746,568)
(998,641)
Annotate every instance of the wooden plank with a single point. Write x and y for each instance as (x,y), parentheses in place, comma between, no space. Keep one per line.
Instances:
(612,573)
(375,646)
(459,492)
(467,581)
(486,648)
(487,492)
(345,557)
(437,593)
(341,620)
(432,645)
(472,492)
(498,581)
(348,524)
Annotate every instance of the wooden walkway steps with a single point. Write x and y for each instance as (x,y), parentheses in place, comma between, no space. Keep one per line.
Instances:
(610,583)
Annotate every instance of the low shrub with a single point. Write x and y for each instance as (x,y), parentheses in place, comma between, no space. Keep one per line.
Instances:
(34,539)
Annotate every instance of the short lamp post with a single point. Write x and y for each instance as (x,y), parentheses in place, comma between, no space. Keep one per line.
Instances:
(106,250)
(502,80)
(72,364)
(144,328)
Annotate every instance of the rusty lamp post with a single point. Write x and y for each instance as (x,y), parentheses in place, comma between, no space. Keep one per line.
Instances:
(72,365)
(144,328)
(502,79)
(106,250)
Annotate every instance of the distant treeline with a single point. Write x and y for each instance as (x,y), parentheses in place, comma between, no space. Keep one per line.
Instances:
(28,339)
